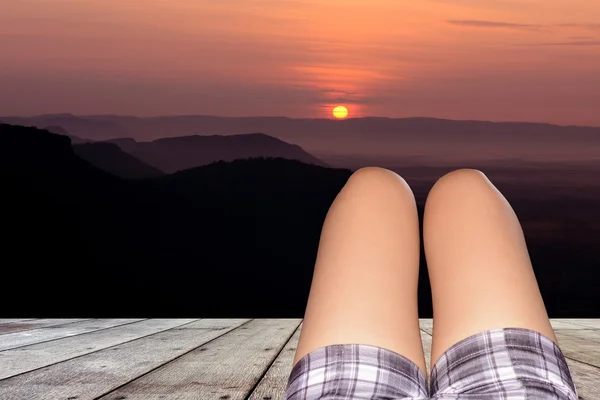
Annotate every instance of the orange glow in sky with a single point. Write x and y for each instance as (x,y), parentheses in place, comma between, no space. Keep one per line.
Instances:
(461,59)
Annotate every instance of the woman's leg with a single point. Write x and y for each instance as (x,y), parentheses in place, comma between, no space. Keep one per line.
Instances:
(479,267)
(364,287)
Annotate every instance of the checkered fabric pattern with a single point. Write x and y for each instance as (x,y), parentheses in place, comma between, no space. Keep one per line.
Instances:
(509,363)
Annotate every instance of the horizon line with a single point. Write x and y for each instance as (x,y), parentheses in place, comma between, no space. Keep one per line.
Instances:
(341,120)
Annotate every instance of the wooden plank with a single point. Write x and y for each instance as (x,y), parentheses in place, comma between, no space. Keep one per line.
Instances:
(98,373)
(426,325)
(586,379)
(87,373)
(426,342)
(226,368)
(28,358)
(13,320)
(565,325)
(591,335)
(588,323)
(579,348)
(35,324)
(19,339)
(274,383)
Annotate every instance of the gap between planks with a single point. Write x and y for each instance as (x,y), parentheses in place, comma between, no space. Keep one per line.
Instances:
(28,358)
(228,367)
(99,373)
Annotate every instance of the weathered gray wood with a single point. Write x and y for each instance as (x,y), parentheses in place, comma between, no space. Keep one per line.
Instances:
(19,339)
(591,335)
(224,366)
(587,323)
(13,320)
(586,379)
(228,366)
(27,358)
(19,326)
(93,375)
(426,342)
(565,325)
(427,325)
(579,348)
(273,384)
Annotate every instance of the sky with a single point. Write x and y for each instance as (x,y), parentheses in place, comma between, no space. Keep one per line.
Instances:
(499,60)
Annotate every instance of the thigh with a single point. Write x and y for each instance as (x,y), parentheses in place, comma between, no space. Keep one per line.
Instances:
(364,287)
(479,267)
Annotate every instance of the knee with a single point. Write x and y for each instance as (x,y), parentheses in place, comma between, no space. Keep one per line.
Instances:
(463,176)
(461,183)
(377,183)
(376,178)
(373,174)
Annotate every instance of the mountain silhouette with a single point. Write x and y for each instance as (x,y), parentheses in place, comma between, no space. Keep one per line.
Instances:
(179,153)
(85,241)
(27,150)
(109,157)
(428,138)
(76,125)
(62,220)
(61,131)
(228,239)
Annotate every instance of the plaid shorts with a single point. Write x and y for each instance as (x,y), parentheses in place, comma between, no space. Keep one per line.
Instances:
(509,363)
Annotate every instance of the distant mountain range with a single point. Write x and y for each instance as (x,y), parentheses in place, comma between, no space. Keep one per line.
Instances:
(179,153)
(130,159)
(439,139)
(61,131)
(109,157)
(228,239)
(85,241)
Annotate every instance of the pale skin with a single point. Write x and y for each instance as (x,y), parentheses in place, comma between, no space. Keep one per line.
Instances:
(364,287)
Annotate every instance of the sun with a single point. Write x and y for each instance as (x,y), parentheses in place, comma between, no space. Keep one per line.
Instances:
(340,112)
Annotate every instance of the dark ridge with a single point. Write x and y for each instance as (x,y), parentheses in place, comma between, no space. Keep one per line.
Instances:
(61,131)
(84,241)
(228,239)
(180,153)
(109,157)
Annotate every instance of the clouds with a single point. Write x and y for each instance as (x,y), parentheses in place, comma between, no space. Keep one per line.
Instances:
(593,27)
(493,24)
(452,58)
(520,26)
(568,43)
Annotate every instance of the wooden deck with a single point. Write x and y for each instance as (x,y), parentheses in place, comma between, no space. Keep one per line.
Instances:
(226,359)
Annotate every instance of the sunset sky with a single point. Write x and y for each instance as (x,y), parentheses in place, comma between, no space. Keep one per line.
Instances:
(518,60)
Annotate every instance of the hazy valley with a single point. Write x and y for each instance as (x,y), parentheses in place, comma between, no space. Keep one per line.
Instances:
(238,238)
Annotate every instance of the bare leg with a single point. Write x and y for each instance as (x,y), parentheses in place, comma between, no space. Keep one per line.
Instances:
(364,287)
(479,267)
